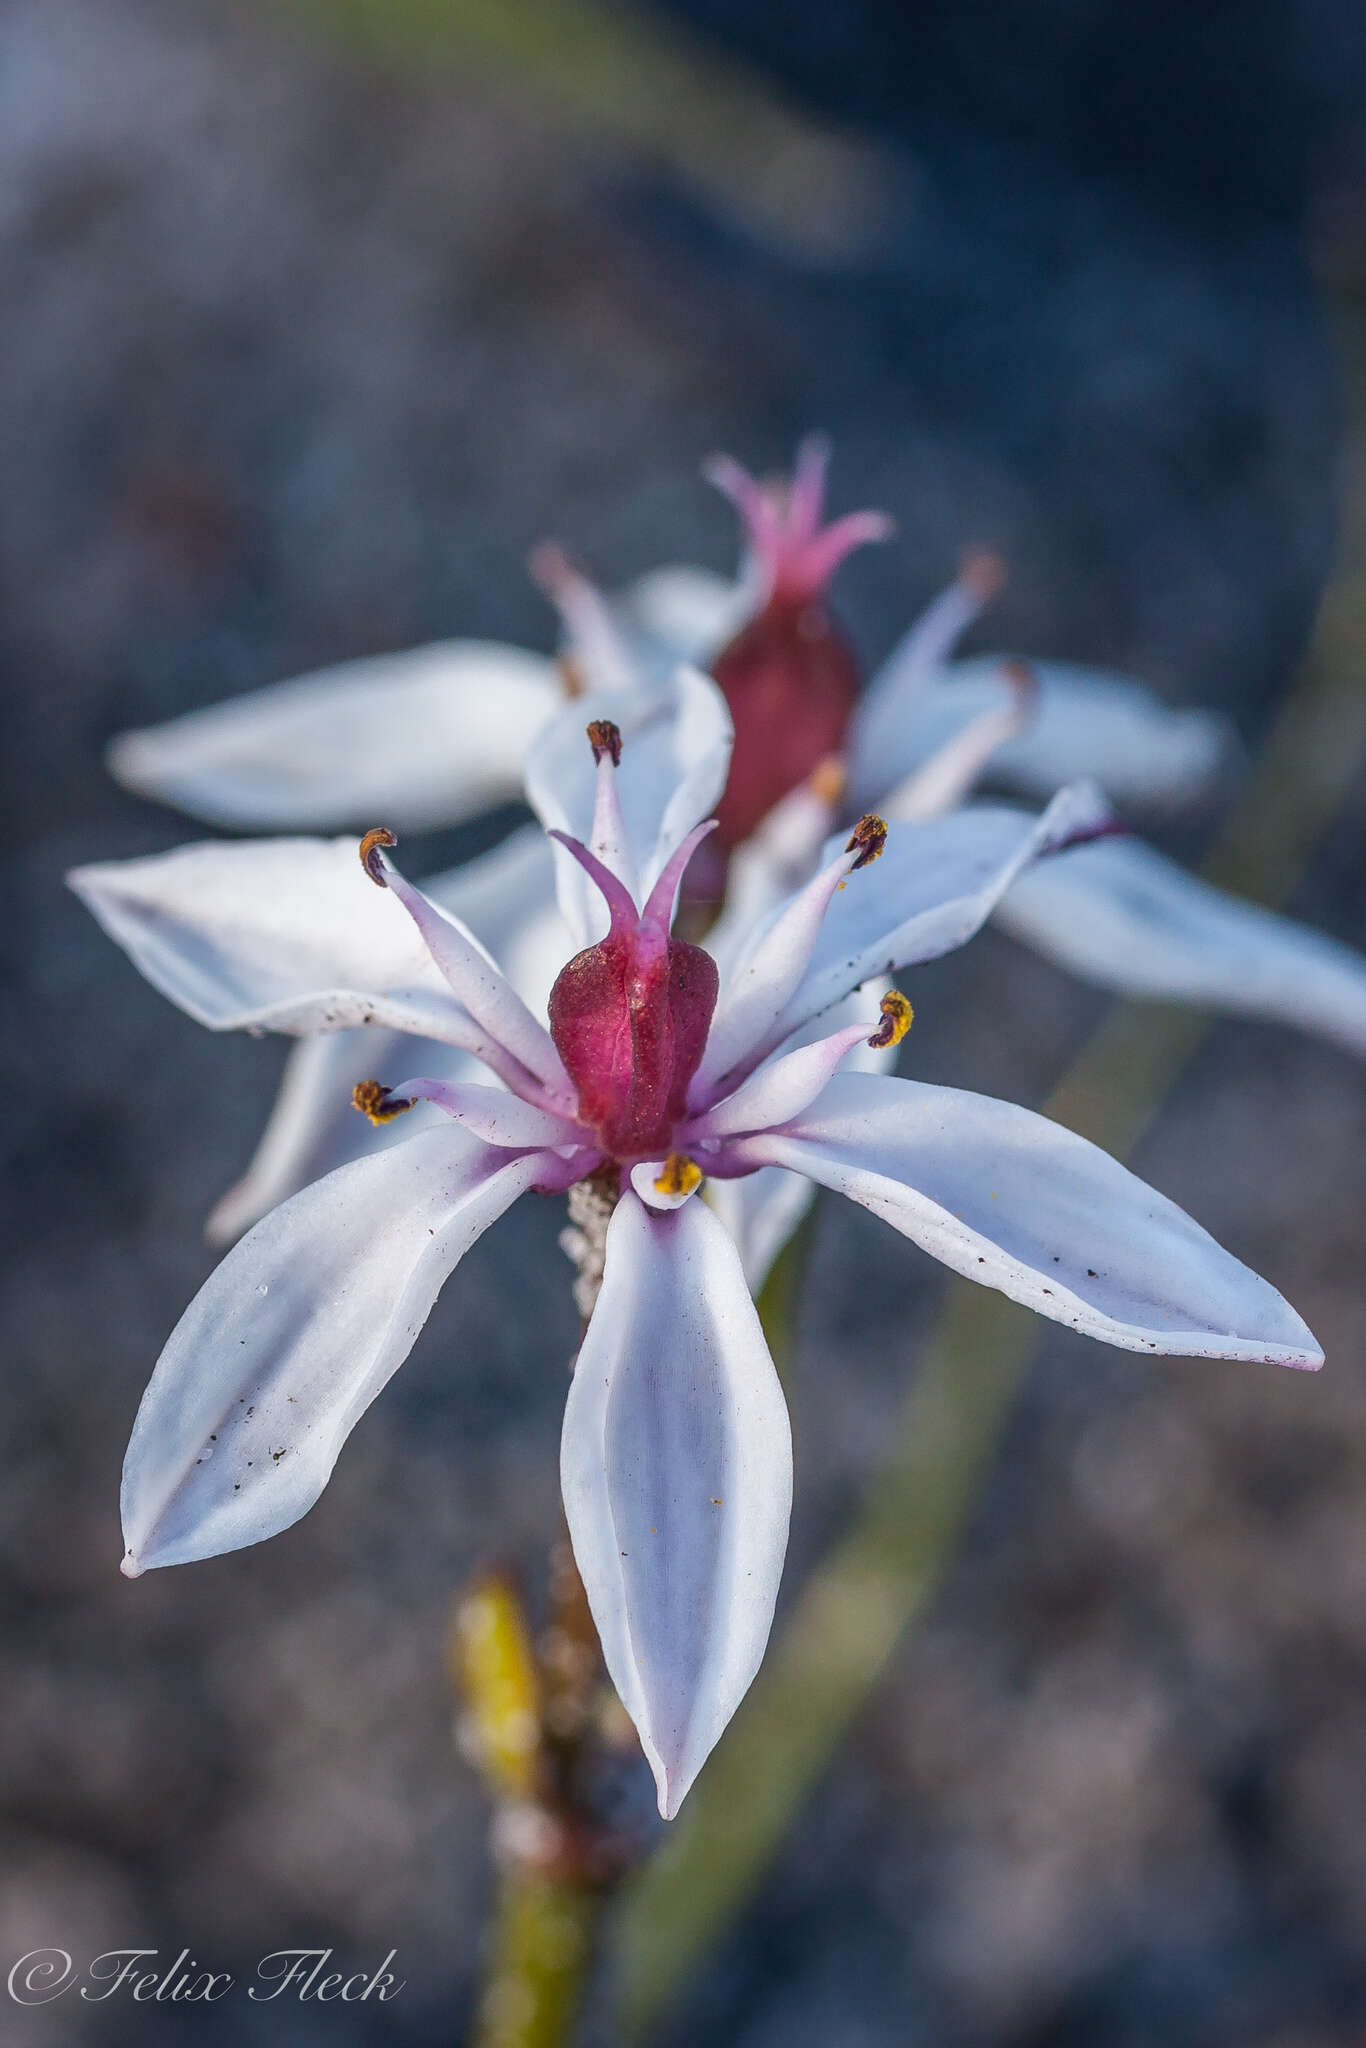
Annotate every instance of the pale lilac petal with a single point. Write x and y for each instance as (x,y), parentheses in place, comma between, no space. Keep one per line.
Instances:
(892,704)
(765,974)
(681,614)
(676,744)
(506,897)
(779,1089)
(478,983)
(599,650)
(495,1115)
(313,1128)
(1121,914)
(933,887)
(950,775)
(419,739)
(274,935)
(1019,1203)
(774,863)
(1086,723)
(761,1210)
(677,1474)
(289,1341)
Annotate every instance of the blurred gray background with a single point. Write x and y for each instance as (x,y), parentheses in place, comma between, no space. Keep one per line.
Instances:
(307,336)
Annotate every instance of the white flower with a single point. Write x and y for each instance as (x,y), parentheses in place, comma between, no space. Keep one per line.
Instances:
(433,736)
(662,1071)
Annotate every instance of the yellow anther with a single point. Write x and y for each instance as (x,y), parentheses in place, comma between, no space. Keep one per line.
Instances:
(897,1018)
(373,1099)
(680,1176)
(868,838)
(369,853)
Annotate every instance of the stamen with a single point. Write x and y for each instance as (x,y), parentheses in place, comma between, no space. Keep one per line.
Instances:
(1024,683)
(370,856)
(869,837)
(585,615)
(572,678)
(605,738)
(373,1100)
(680,1176)
(828,779)
(982,574)
(897,1018)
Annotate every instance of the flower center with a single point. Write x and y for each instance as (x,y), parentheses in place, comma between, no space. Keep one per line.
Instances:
(630,1015)
(630,1018)
(789,676)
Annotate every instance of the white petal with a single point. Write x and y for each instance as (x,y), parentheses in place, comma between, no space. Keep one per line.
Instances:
(411,740)
(675,754)
(1010,1199)
(933,887)
(495,1115)
(951,774)
(779,1089)
(1085,723)
(313,1128)
(677,1474)
(506,898)
(1121,914)
(288,1343)
(896,692)
(479,985)
(273,934)
(761,1211)
(774,863)
(681,613)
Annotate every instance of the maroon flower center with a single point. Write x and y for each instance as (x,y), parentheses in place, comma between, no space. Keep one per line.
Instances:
(630,1018)
(791,681)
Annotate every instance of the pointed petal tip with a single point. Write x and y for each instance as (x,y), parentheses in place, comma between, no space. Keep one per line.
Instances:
(672,1785)
(670,1797)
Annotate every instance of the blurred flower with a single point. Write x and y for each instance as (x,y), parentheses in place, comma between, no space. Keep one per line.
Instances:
(662,1070)
(440,733)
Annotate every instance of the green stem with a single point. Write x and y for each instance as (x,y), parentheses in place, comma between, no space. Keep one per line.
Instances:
(542,1950)
(854,1612)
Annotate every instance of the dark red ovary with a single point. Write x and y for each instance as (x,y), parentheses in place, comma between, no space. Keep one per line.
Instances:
(630,1021)
(791,681)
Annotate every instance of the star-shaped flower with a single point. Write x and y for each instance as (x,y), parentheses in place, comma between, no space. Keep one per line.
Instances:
(660,1074)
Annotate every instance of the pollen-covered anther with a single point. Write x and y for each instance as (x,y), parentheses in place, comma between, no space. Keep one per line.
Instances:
(868,838)
(605,738)
(373,1099)
(680,1175)
(897,1019)
(369,853)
